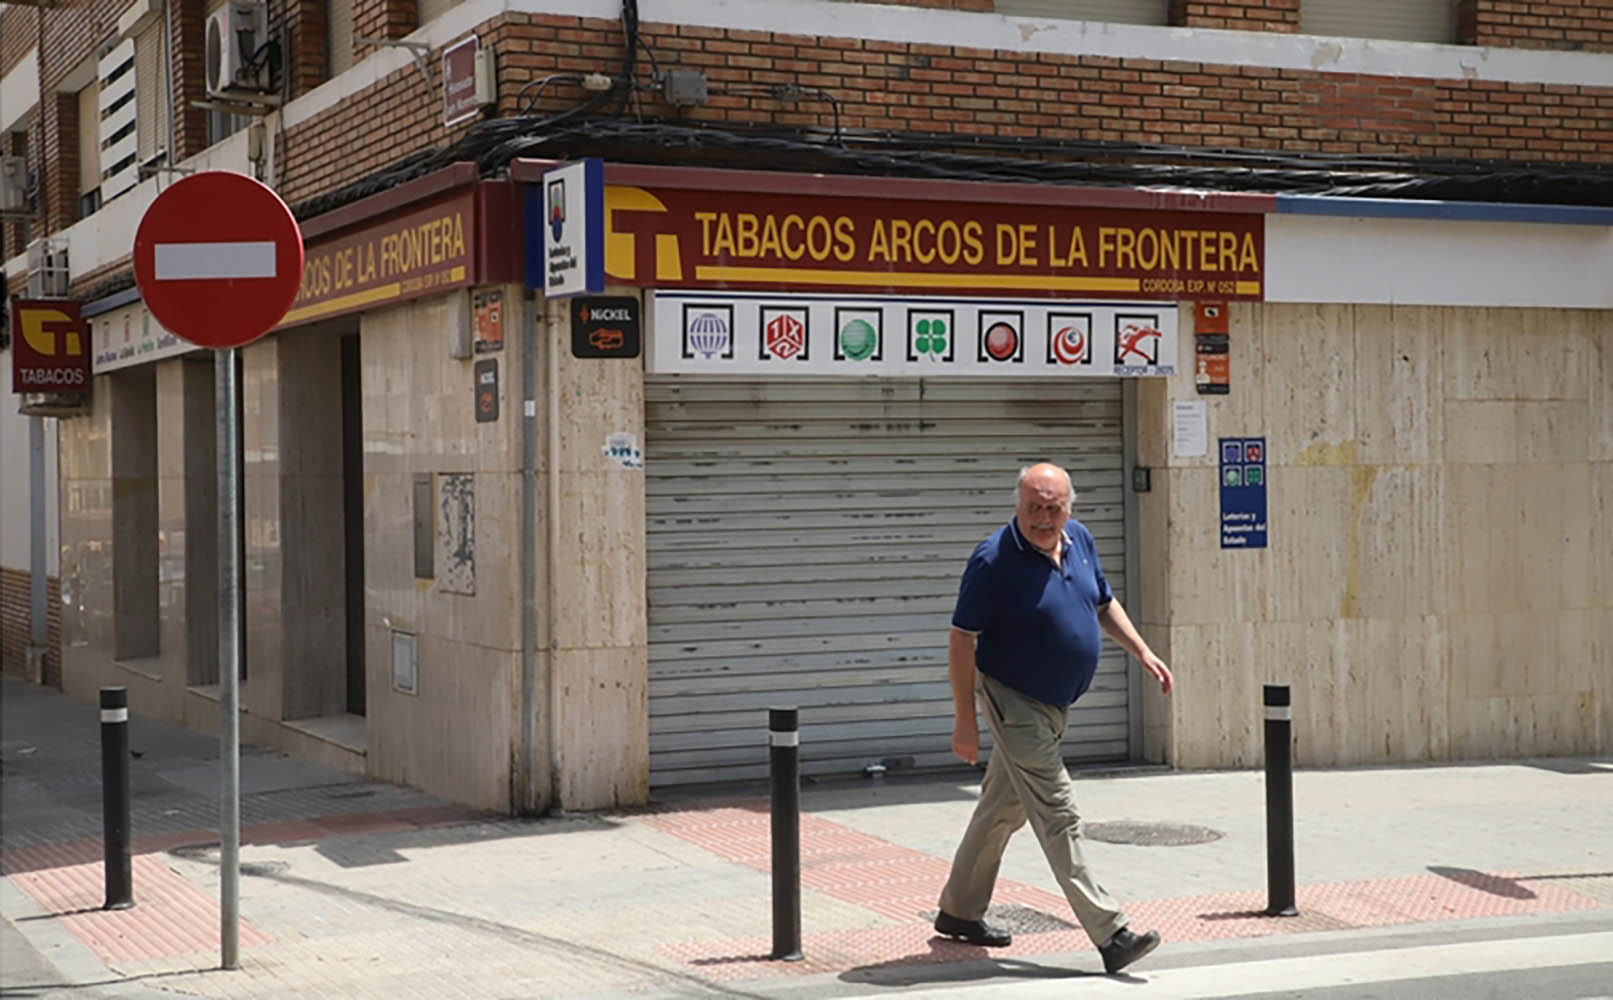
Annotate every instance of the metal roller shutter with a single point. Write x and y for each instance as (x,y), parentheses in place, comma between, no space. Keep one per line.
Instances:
(805,542)
(430,10)
(1401,20)
(1112,11)
(339,32)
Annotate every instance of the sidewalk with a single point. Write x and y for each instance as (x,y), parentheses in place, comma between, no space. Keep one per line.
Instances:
(354,888)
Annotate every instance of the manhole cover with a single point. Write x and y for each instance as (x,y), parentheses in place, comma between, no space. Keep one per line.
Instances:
(1017,919)
(1150,834)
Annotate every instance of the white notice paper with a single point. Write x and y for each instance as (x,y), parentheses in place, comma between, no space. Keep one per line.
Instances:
(1190,428)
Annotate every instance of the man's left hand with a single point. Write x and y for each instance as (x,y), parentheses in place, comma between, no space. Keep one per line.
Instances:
(1161,672)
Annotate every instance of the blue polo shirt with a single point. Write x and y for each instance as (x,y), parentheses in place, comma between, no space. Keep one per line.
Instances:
(1036,623)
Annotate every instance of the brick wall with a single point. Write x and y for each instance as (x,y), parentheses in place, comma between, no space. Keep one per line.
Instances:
(19,32)
(381,19)
(1239,15)
(59,132)
(72,34)
(305,61)
(925,88)
(895,85)
(187,49)
(16,602)
(1584,25)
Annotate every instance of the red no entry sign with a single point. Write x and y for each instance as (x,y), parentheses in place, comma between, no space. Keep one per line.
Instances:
(218,258)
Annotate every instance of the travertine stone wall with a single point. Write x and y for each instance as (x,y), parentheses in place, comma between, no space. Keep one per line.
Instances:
(602,652)
(312,528)
(1439,582)
(460,735)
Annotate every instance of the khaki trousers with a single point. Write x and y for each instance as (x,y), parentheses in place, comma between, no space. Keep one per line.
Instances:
(1026,779)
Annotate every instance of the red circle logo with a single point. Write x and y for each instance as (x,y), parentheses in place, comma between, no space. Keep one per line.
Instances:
(1002,341)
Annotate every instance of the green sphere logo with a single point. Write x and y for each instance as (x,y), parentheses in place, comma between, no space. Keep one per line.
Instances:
(931,336)
(858,340)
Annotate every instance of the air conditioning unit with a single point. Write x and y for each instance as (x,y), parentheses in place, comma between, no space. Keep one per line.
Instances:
(235,32)
(48,275)
(13,184)
(53,404)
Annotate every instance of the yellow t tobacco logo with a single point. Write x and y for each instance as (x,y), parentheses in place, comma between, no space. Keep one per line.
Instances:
(40,327)
(622,245)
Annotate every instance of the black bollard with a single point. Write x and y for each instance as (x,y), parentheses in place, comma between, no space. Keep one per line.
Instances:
(784,767)
(1279,802)
(115,797)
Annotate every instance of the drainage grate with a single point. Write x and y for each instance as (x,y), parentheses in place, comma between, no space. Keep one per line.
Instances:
(1017,919)
(1150,834)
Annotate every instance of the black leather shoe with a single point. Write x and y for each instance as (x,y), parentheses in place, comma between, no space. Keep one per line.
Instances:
(973,931)
(1125,948)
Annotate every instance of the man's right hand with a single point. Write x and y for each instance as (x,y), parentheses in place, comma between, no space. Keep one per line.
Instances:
(966,741)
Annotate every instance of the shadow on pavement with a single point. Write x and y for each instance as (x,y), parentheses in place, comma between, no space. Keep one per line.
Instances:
(941,965)
(1495,885)
(1507,887)
(360,848)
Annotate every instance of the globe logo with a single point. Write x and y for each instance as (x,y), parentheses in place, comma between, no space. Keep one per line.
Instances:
(858,340)
(708,334)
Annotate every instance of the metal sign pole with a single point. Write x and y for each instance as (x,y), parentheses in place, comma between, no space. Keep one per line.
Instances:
(38,636)
(225,393)
(218,258)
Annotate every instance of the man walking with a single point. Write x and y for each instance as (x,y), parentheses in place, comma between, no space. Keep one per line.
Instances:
(1025,637)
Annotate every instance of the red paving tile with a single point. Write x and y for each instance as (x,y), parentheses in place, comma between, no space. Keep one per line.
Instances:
(902,884)
(170,917)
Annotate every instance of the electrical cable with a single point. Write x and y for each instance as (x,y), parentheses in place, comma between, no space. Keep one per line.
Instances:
(541,83)
(492,144)
(625,79)
(585,131)
(784,92)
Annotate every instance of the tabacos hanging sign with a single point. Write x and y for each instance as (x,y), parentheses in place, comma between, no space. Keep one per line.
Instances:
(50,347)
(695,238)
(698,332)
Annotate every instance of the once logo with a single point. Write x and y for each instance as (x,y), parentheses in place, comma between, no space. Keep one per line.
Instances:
(858,340)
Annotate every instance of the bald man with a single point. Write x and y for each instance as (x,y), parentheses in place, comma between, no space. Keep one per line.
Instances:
(1025,640)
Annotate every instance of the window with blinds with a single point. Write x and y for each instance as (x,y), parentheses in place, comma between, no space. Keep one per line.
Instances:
(1114,11)
(89,138)
(339,29)
(1400,20)
(430,10)
(119,116)
(151,91)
